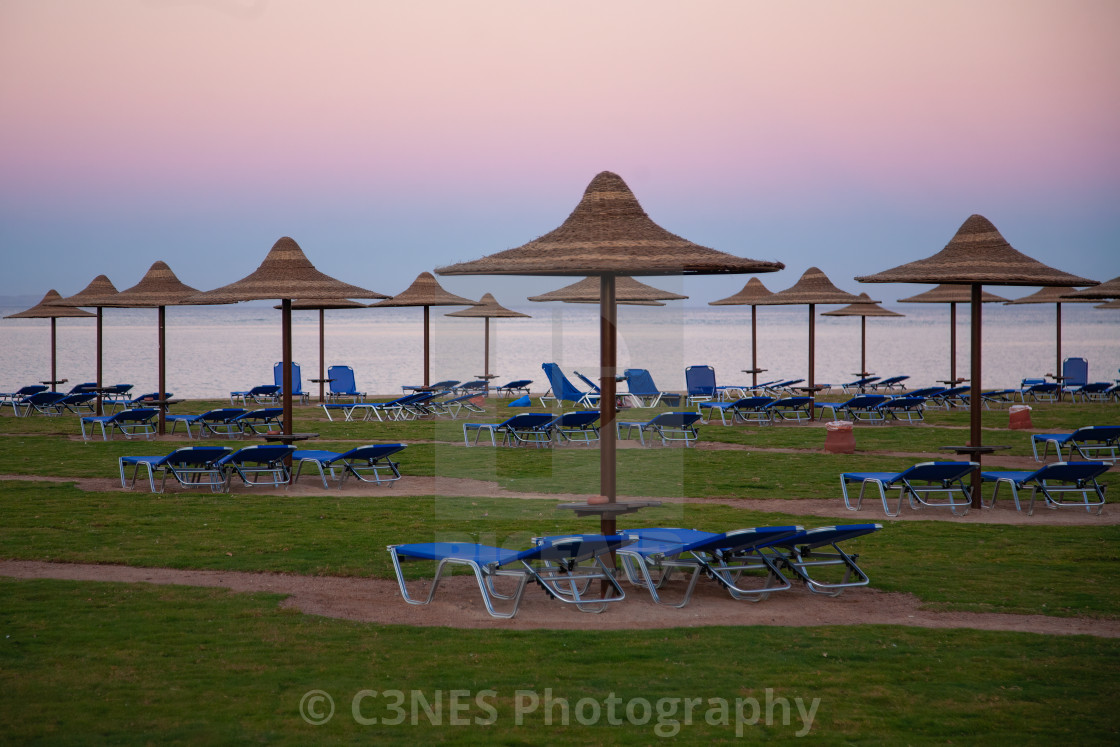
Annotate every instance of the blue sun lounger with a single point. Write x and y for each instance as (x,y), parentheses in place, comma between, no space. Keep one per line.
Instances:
(525,428)
(928,392)
(801,554)
(576,427)
(22,393)
(861,385)
(782,386)
(793,408)
(908,408)
(191,466)
(700,383)
(139,421)
(561,390)
(1042,391)
(890,383)
(440,386)
(262,420)
(517,385)
(1054,481)
(747,409)
(1097,391)
(359,462)
(866,408)
(297,381)
(263,394)
(1094,442)
(918,483)
(44,403)
(644,393)
(668,426)
(258,465)
(657,553)
(218,422)
(342,385)
(565,567)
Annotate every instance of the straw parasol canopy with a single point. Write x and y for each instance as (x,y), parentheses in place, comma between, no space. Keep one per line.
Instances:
(44,310)
(99,287)
(1107,289)
(286,273)
(753,292)
(863,310)
(1052,294)
(427,292)
(813,288)
(609,234)
(488,308)
(977,255)
(158,288)
(1109,305)
(627,290)
(321,306)
(952,295)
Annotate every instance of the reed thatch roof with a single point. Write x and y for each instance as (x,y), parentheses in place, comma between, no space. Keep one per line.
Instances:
(1107,289)
(158,287)
(425,291)
(866,307)
(99,287)
(813,287)
(44,309)
(951,294)
(752,294)
(1049,294)
(627,290)
(488,308)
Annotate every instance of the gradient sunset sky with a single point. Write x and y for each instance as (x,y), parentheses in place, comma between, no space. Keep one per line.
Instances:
(389,138)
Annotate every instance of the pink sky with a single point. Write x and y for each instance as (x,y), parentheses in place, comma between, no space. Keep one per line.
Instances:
(349,124)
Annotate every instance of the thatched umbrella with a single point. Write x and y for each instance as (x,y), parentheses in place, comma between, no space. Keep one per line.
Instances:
(1109,305)
(1107,289)
(427,292)
(1053,294)
(952,295)
(285,274)
(608,235)
(99,287)
(488,308)
(863,309)
(44,310)
(158,288)
(753,293)
(626,290)
(977,255)
(321,306)
(813,288)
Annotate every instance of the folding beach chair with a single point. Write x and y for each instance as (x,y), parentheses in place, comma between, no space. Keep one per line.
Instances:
(801,554)
(191,466)
(562,390)
(782,386)
(452,407)
(908,408)
(258,465)
(78,403)
(1099,443)
(747,409)
(866,408)
(139,421)
(342,385)
(859,385)
(218,422)
(22,393)
(927,392)
(890,383)
(44,403)
(565,567)
(477,388)
(262,420)
(526,428)
(439,386)
(644,393)
(1039,390)
(918,483)
(1054,481)
(576,427)
(668,426)
(143,399)
(517,385)
(700,383)
(87,387)
(657,553)
(792,408)
(393,409)
(359,462)
(1075,372)
(263,394)
(1097,391)
(297,381)
(956,396)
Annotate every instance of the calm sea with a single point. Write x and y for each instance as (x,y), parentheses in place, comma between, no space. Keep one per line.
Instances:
(213,350)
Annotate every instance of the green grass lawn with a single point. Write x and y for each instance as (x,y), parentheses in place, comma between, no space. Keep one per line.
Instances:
(135,663)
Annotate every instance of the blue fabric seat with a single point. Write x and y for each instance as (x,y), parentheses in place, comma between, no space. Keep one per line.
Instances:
(297,381)
(1054,482)
(565,567)
(746,409)
(342,385)
(517,385)
(522,429)
(919,484)
(139,421)
(908,408)
(792,408)
(1093,442)
(561,390)
(258,465)
(263,394)
(802,554)
(859,385)
(575,427)
(219,422)
(700,386)
(668,426)
(191,466)
(359,462)
(261,420)
(729,558)
(890,383)
(44,403)
(866,408)
(644,393)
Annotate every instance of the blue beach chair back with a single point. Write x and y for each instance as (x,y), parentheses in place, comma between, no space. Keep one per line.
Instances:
(562,389)
(527,421)
(700,381)
(1075,472)
(640,382)
(590,384)
(577,419)
(937,471)
(278,378)
(342,380)
(1075,371)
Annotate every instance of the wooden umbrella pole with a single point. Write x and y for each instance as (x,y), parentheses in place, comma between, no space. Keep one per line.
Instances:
(54,368)
(975,436)
(952,342)
(162,368)
(322,354)
(812,358)
(1058,324)
(426,313)
(486,353)
(863,344)
(286,361)
(608,330)
(99,314)
(754,347)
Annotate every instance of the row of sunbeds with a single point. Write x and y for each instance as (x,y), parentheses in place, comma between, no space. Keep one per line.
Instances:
(750,564)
